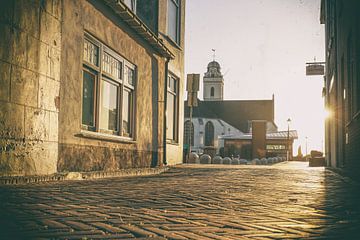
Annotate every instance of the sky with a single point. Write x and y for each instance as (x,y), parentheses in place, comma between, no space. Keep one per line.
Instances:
(262,47)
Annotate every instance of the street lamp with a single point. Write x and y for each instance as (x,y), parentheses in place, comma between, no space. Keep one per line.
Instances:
(288,140)
(306,142)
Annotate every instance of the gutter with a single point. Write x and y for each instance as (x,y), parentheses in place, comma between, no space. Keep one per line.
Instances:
(165,108)
(129,17)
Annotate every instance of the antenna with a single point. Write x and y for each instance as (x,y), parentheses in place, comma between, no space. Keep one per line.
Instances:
(213,54)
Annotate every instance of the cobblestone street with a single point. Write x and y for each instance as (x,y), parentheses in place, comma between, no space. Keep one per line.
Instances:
(283,201)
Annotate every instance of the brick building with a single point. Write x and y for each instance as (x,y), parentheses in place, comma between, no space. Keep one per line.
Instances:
(86,85)
(342,83)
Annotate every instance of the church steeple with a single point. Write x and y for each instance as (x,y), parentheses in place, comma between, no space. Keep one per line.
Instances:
(213,82)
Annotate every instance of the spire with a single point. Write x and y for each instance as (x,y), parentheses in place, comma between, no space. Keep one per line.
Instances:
(214,55)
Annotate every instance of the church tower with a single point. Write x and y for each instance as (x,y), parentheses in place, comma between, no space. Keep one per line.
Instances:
(213,83)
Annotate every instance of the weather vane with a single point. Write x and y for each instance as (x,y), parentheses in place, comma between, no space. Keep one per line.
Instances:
(213,54)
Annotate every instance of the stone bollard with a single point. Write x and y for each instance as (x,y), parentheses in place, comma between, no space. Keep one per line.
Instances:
(217,160)
(226,160)
(263,161)
(235,161)
(205,159)
(193,158)
(243,161)
(257,161)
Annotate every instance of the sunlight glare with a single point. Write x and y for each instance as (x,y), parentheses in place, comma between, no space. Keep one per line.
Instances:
(327,113)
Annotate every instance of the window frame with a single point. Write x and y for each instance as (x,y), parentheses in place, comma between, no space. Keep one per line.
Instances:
(177,4)
(175,93)
(119,81)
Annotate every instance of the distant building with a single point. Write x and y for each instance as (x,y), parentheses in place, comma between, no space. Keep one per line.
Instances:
(86,85)
(342,83)
(216,120)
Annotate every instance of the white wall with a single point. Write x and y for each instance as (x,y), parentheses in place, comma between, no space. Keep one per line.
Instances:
(222,128)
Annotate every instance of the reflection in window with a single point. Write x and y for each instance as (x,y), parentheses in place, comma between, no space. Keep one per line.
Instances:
(108,92)
(88,98)
(172,109)
(173,20)
(91,53)
(131,4)
(109,106)
(111,65)
(127,112)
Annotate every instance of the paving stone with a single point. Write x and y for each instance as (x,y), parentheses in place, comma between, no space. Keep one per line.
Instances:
(188,202)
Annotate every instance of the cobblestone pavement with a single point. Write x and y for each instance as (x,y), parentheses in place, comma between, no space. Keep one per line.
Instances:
(284,201)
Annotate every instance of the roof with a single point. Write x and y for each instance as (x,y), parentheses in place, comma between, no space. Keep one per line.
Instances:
(139,27)
(237,113)
(274,135)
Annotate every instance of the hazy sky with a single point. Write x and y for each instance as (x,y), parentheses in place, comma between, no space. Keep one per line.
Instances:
(262,47)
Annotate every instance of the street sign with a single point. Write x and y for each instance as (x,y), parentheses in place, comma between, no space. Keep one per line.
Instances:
(314,69)
(192,87)
(192,84)
(192,99)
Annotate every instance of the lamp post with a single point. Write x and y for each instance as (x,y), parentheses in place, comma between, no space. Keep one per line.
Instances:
(306,141)
(288,140)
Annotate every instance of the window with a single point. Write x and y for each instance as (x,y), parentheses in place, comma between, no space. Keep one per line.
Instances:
(108,90)
(189,133)
(212,91)
(172,108)
(131,4)
(174,20)
(147,11)
(209,134)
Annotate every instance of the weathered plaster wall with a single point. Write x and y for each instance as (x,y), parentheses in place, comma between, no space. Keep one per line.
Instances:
(174,151)
(29,78)
(84,154)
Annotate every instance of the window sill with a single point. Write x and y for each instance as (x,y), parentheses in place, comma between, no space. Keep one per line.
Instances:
(105,137)
(172,42)
(172,142)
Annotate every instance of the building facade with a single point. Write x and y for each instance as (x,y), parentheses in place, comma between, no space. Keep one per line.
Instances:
(342,83)
(90,85)
(215,117)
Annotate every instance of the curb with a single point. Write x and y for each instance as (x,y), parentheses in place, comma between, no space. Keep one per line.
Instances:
(68,176)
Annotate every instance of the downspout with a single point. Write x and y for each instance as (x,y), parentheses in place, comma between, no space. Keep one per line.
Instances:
(165,108)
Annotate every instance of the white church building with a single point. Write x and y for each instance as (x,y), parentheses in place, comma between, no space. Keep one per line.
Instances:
(215,117)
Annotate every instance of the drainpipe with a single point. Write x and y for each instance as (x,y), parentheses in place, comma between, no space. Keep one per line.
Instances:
(165,108)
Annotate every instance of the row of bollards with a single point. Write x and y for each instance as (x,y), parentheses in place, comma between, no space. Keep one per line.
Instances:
(206,159)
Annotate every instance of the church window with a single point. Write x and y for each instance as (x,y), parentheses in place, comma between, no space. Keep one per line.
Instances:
(212,91)
(189,133)
(209,134)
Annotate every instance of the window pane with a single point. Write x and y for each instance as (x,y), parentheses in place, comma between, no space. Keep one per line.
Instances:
(146,10)
(130,76)
(127,113)
(91,53)
(111,65)
(170,118)
(109,106)
(173,21)
(130,4)
(88,98)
